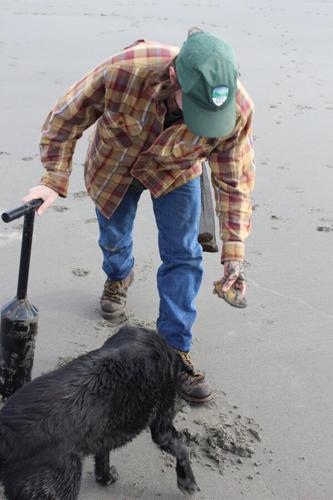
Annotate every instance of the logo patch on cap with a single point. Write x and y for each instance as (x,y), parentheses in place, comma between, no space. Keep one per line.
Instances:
(220,95)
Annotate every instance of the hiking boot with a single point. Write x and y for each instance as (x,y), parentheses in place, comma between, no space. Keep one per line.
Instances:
(194,386)
(113,300)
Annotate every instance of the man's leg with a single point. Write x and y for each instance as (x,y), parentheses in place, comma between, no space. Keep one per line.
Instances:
(179,276)
(116,243)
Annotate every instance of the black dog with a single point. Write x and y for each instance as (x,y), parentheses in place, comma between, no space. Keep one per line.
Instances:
(95,403)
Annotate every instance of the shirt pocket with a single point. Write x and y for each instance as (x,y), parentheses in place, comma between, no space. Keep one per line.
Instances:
(120,130)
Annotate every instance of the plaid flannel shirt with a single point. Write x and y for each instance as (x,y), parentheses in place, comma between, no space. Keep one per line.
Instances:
(121,96)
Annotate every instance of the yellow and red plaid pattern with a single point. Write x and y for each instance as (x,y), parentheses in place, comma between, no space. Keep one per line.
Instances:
(121,97)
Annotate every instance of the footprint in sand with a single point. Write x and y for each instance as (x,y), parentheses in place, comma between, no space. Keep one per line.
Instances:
(295,189)
(80,195)
(277,219)
(143,271)
(282,167)
(59,208)
(80,272)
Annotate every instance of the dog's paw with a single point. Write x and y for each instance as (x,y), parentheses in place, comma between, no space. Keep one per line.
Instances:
(187,486)
(108,478)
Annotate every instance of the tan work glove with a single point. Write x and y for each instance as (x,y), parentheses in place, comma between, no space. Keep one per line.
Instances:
(232,286)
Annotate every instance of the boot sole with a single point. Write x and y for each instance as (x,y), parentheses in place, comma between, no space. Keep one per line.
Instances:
(113,315)
(197,401)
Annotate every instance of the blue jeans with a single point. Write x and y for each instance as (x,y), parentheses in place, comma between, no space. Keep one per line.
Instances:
(179,277)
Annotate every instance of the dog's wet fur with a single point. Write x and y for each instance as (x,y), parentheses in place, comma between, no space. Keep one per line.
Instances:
(94,404)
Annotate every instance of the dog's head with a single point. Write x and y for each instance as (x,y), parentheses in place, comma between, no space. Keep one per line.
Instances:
(172,363)
(139,342)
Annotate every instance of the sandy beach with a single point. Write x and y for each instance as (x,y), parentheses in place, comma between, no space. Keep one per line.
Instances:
(267,435)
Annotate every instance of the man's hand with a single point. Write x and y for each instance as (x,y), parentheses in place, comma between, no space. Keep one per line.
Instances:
(232,286)
(47,194)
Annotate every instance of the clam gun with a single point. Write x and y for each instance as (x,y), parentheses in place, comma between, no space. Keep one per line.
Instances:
(19,318)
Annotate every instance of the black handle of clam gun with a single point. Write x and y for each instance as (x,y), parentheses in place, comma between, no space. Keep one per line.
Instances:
(24,209)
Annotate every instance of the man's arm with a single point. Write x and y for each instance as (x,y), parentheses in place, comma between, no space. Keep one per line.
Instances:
(233,174)
(79,108)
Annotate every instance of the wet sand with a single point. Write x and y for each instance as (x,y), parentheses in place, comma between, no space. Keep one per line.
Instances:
(271,363)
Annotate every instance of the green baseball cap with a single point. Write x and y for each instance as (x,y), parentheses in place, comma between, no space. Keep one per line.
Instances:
(207,72)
